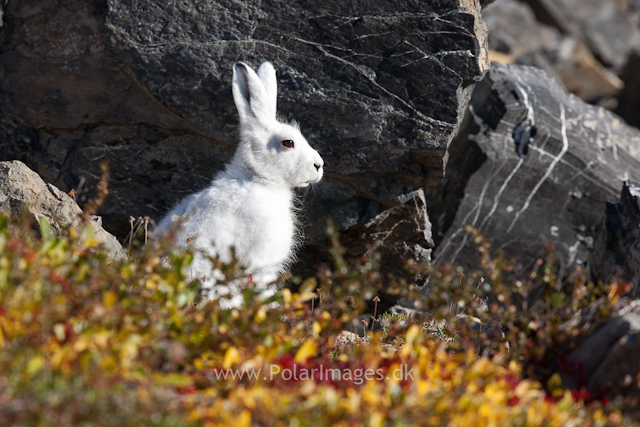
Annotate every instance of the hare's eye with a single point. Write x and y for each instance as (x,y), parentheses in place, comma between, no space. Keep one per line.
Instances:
(287,143)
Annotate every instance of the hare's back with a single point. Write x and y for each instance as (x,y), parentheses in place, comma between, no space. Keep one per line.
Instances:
(254,219)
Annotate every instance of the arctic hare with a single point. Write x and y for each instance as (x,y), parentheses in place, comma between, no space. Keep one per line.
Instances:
(249,206)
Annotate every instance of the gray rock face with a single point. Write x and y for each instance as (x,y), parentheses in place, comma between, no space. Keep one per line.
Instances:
(617,249)
(400,233)
(591,46)
(515,36)
(535,165)
(513,29)
(611,33)
(21,188)
(378,88)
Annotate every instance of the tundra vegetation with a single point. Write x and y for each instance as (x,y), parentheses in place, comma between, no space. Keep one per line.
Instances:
(88,340)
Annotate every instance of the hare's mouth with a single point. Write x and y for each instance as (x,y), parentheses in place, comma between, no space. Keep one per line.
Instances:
(307,183)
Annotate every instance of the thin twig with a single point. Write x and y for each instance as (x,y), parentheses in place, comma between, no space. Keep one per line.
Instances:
(376,300)
(146,228)
(189,240)
(131,221)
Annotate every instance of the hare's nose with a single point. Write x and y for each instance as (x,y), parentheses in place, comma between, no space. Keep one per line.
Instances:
(317,166)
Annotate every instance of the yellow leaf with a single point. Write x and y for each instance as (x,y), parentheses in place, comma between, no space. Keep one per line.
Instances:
(91,242)
(261,315)
(376,420)
(316,329)
(514,367)
(598,415)
(307,289)
(194,415)
(80,345)
(471,356)
(414,335)
(306,350)
(394,373)
(129,350)
(306,297)
(308,285)
(102,339)
(231,356)
(35,364)
(244,420)
(109,298)
(58,330)
(554,385)
(286,295)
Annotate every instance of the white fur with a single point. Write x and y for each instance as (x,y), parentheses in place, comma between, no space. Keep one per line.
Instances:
(249,205)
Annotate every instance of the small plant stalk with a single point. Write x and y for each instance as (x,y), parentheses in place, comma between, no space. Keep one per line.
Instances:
(189,240)
(146,228)
(131,221)
(375,310)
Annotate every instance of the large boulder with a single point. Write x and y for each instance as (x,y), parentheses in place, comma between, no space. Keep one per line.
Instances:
(515,36)
(534,165)
(379,88)
(403,232)
(608,28)
(21,188)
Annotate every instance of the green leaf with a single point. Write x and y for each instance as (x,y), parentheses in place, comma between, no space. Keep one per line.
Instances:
(45,227)
(172,379)
(557,299)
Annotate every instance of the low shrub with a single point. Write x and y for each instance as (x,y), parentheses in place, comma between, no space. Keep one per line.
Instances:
(87,340)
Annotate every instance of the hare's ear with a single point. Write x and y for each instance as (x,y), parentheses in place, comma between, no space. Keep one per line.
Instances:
(267,74)
(250,95)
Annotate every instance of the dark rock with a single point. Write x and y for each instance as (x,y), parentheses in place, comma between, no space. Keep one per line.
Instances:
(393,237)
(513,29)
(575,159)
(617,249)
(629,99)
(379,89)
(607,362)
(397,234)
(519,38)
(21,188)
(609,31)
(582,74)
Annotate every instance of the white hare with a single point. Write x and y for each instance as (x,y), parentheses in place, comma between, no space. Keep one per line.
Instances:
(249,206)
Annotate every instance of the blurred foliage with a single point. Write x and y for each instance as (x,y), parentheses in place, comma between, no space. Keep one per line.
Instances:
(87,340)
